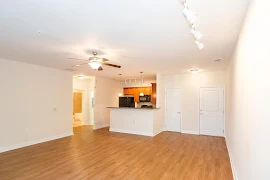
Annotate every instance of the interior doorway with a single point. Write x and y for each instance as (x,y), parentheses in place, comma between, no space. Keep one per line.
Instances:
(83,102)
(77,114)
(173,110)
(212,111)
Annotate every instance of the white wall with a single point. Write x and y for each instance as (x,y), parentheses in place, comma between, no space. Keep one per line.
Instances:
(189,85)
(28,95)
(106,95)
(248,118)
(84,84)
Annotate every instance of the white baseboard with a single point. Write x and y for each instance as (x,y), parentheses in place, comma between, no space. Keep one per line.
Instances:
(29,143)
(231,160)
(157,132)
(190,132)
(100,126)
(131,132)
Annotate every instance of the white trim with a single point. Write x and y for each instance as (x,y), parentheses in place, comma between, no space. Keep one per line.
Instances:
(231,160)
(131,132)
(224,106)
(190,132)
(100,126)
(29,143)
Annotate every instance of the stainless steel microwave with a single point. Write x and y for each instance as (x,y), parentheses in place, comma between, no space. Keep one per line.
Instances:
(145,98)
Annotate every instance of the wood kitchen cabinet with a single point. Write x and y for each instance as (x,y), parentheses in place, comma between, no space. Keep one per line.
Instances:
(135,91)
(128,91)
(147,90)
(154,93)
(136,94)
(77,103)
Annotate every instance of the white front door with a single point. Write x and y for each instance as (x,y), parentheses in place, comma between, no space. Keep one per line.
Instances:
(212,111)
(173,110)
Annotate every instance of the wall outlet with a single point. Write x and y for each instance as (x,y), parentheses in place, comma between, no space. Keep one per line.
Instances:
(134,121)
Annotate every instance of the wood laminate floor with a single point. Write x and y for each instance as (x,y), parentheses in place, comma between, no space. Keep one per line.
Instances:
(100,154)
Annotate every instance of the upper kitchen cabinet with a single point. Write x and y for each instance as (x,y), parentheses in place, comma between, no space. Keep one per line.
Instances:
(136,94)
(135,91)
(154,93)
(147,90)
(128,91)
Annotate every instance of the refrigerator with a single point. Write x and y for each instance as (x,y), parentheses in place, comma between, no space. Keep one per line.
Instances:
(126,102)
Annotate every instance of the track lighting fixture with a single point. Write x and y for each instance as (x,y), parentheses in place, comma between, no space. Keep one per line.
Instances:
(197,35)
(199,44)
(191,16)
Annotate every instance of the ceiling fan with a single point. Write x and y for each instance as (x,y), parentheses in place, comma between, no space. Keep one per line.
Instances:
(95,62)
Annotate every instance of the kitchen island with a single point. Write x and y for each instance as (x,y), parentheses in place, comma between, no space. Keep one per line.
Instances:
(141,121)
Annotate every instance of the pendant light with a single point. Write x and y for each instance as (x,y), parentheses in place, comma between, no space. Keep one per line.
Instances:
(141,94)
(120,93)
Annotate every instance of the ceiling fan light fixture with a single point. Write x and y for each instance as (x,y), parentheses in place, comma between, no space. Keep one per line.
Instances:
(199,44)
(94,64)
(191,16)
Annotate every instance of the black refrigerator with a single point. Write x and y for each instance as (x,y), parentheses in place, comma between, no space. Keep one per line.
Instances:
(126,102)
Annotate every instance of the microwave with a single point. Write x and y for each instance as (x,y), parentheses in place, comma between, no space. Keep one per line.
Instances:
(145,98)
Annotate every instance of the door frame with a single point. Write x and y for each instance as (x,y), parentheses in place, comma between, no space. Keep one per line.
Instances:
(165,103)
(224,107)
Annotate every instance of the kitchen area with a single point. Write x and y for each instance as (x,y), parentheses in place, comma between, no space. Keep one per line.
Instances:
(137,112)
(139,97)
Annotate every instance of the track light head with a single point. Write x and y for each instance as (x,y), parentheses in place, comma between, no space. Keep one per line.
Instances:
(191,16)
(199,44)
(197,35)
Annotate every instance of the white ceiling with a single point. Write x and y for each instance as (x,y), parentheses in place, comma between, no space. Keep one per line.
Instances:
(140,35)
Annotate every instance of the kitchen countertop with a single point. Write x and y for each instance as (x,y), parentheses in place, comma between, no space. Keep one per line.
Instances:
(132,108)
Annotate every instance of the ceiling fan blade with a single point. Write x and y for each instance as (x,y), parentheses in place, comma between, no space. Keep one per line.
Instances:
(100,68)
(113,65)
(78,59)
(104,59)
(77,65)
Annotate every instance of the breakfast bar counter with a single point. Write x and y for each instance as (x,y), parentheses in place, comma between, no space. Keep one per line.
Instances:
(141,121)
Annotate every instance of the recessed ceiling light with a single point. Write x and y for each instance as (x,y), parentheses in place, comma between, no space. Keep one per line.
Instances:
(77,65)
(194,71)
(81,77)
